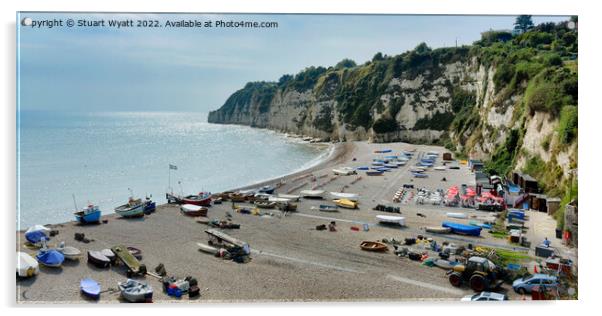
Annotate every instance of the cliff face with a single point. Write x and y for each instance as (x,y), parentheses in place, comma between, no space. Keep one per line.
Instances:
(509,102)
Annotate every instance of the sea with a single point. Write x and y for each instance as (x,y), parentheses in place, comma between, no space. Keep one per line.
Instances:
(103,158)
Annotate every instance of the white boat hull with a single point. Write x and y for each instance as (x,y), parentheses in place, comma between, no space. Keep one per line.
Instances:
(341,195)
(387,219)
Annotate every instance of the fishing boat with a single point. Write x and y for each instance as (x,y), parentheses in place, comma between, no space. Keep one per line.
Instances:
(50,258)
(437,230)
(201,199)
(344,171)
(266,189)
(265,204)
(346,203)
(328,208)
(290,197)
(27,266)
(374,172)
(342,195)
(193,210)
(462,229)
(373,246)
(90,214)
(97,259)
(90,288)
(149,206)
(388,219)
(456,215)
(70,253)
(133,208)
(312,194)
(135,292)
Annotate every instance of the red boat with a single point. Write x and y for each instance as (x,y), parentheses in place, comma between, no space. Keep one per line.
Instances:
(201,199)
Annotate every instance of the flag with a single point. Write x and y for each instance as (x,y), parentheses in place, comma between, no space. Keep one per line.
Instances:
(173,167)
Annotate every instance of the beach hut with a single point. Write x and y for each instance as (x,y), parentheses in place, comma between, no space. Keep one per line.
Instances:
(447,156)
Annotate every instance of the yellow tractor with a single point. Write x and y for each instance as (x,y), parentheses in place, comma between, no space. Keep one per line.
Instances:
(479,273)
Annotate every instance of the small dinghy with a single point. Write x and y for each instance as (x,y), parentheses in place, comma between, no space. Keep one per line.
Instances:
(50,258)
(388,220)
(440,168)
(193,210)
(373,246)
(346,203)
(36,237)
(328,208)
(374,173)
(290,197)
(70,253)
(419,175)
(97,259)
(265,204)
(437,230)
(136,292)
(207,249)
(27,266)
(312,194)
(456,215)
(267,189)
(444,264)
(90,288)
(109,254)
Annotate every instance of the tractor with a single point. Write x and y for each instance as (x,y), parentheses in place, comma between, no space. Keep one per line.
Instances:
(479,273)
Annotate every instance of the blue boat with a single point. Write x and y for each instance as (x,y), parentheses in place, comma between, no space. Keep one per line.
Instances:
(363,168)
(36,236)
(90,288)
(377,163)
(419,175)
(516,214)
(462,229)
(90,214)
(267,189)
(149,206)
(50,257)
(374,173)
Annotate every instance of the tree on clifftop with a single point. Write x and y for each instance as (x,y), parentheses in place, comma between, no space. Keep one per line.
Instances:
(523,23)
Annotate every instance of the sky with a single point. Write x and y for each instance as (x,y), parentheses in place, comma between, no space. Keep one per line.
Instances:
(196,69)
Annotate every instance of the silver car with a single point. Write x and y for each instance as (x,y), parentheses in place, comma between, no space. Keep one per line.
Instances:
(485,296)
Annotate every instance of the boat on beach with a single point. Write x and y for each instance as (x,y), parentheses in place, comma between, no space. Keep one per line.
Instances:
(90,288)
(90,214)
(136,292)
(289,197)
(388,219)
(149,206)
(193,210)
(419,175)
(342,195)
(268,189)
(374,172)
(456,215)
(437,230)
(70,253)
(328,208)
(97,259)
(265,204)
(50,258)
(27,266)
(373,246)
(462,229)
(201,199)
(346,203)
(312,194)
(133,208)
(344,171)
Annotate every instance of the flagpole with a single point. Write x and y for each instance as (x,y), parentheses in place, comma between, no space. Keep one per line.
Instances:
(169,179)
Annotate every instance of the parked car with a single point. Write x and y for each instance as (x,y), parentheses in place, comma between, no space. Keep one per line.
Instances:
(526,284)
(485,296)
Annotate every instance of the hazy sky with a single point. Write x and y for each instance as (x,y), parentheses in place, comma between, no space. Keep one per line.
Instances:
(196,69)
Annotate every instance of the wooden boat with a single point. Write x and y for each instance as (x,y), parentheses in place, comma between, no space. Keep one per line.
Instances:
(312,194)
(349,196)
(97,259)
(265,204)
(27,266)
(201,199)
(50,258)
(90,288)
(344,171)
(136,292)
(462,229)
(70,253)
(373,246)
(388,219)
(374,173)
(456,215)
(207,249)
(193,210)
(134,267)
(90,214)
(437,230)
(328,208)
(290,197)
(133,208)
(346,203)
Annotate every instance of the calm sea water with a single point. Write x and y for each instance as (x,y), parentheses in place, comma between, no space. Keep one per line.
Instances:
(99,156)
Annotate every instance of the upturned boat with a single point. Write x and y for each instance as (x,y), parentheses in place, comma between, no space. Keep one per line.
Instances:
(90,214)
(193,210)
(50,258)
(387,219)
(26,265)
(328,208)
(373,246)
(97,259)
(70,253)
(374,172)
(342,195)
(133,208)
(90,288)
(462,229)
(437,230)
(312,194)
